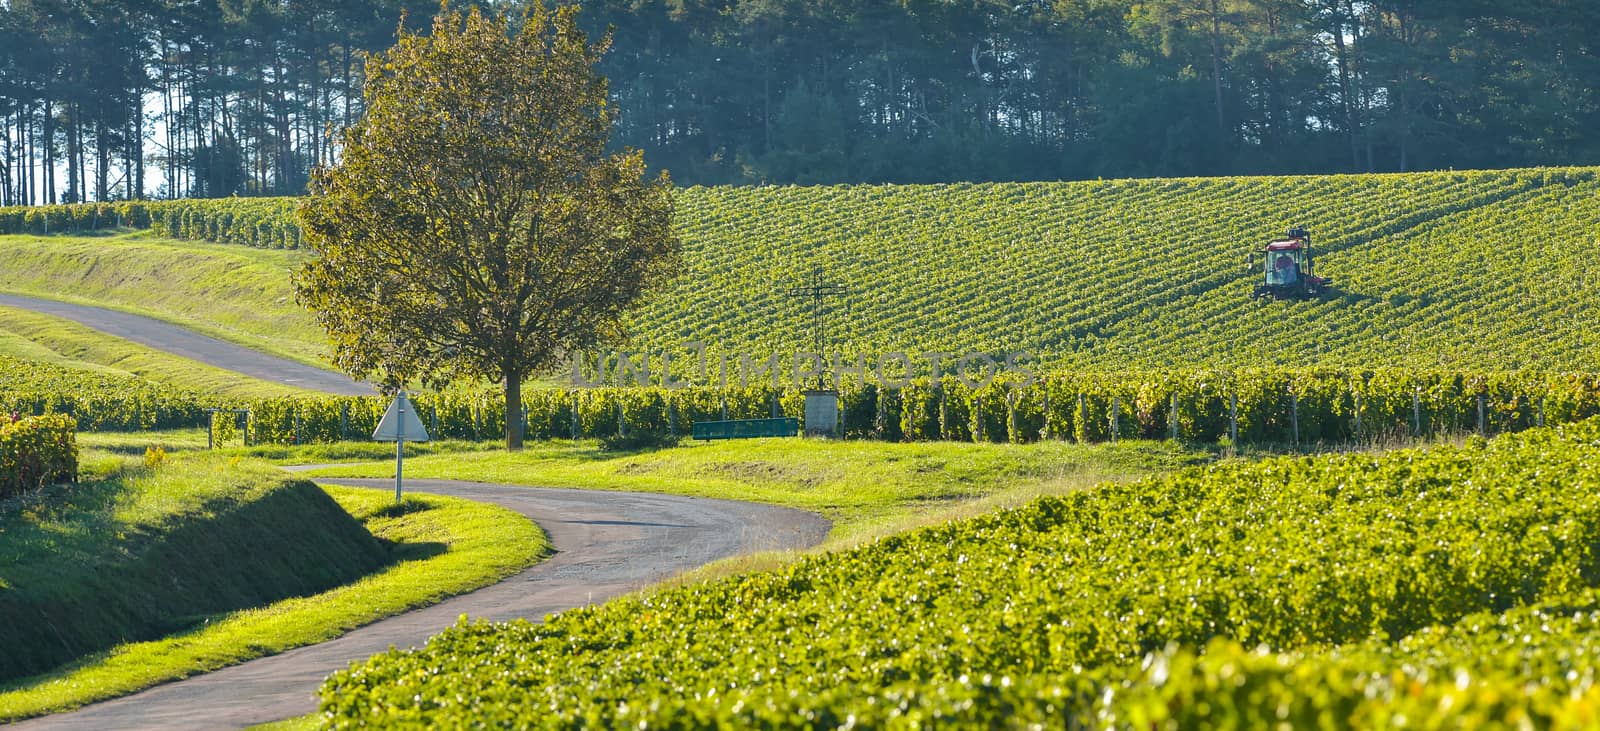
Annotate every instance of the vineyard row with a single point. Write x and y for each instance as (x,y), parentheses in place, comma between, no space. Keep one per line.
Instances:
(1285,407)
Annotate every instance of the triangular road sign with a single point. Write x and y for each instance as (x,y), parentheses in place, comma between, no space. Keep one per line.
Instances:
(400,422)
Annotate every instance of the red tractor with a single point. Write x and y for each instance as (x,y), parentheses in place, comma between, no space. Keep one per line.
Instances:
(1288,269)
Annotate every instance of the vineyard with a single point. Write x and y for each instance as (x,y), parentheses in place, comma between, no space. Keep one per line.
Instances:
(1455,584)
(97,401)
(1291,407)
(1443,271)
(267,223)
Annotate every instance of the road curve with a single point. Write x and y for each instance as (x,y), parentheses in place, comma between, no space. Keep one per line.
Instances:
(180,341)
(607,544)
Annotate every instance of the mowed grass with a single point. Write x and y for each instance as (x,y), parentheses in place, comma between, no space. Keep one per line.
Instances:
(435,547)
(135,443)
(863,487)
(234,293)
(43,338)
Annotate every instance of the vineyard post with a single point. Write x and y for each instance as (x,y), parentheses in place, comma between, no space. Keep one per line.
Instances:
(1482,431)
(1233,418)
(1116,406)
(777,411)
(1011,416)
(880,416)
(622,424)
(1294,415)
(211,429)
(294,412)
(1172,421)
(247,428)
(1541,411)
(672,416)
(1358,414)
(344,421)
(433,418)
(1416,411)
(942,417)
(724,405)
(522,414)
(575,429)
(1078,418)
(1044,431)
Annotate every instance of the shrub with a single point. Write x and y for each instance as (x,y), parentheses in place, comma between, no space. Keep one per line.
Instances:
(36,451)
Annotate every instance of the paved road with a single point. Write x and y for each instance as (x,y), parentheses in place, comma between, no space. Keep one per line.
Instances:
(190,344)
(607,543)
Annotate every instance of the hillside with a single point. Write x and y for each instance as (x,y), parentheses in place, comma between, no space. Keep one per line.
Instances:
(236,293)
(1438,269)
(1443,270)
(53,343)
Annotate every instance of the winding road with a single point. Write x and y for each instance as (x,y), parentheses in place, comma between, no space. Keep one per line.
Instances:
(606,544)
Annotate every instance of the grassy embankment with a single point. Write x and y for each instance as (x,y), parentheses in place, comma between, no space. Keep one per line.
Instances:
(233,293)
(141,575)
(43,338)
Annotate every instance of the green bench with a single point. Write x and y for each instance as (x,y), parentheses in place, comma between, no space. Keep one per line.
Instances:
(746,428)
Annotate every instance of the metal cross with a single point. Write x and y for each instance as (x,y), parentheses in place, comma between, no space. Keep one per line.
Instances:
(819,290)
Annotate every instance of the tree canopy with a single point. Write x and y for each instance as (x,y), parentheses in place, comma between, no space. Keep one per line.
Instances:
(476,225)
(111,98)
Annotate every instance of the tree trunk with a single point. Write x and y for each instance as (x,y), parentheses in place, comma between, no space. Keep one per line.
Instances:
(102,160)
(1216,62)
(25,171)
(136,150)
(513,411)
(10,160)
(1342,60)
(345,69)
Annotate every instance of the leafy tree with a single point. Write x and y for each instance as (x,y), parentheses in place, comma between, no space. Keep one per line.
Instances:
(476,225)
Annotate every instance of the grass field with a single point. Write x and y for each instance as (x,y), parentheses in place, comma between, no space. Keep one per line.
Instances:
(100,561)
(863,487)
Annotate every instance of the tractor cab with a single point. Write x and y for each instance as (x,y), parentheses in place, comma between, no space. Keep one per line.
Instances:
(1288,271)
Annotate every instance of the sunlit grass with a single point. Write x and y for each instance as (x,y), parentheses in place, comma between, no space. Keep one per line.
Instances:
(439,546)
(861,486)
(44,338)
(235,293)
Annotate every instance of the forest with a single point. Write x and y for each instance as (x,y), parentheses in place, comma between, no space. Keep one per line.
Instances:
(117,99)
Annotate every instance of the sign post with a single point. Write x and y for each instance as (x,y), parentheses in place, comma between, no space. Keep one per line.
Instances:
(399,425)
